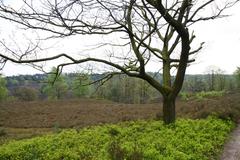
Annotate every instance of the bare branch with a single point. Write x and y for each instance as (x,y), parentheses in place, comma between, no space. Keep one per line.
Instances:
(150,31)
(197,50)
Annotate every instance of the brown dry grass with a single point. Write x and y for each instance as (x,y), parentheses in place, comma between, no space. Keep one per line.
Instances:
(71,113)
(27,119)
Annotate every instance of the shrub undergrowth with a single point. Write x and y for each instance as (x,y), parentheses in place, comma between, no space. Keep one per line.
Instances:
(201,95)
(151,140)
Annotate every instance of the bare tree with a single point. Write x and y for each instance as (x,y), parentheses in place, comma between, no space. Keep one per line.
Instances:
(152,30)
(216,78)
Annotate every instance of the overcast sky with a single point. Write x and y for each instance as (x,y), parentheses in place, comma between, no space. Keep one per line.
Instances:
(221,49)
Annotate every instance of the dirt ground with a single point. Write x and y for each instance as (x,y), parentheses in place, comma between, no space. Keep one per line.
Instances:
(231,149)
(26,119)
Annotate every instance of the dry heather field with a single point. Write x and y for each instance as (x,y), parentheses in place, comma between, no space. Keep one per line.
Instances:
(27,119)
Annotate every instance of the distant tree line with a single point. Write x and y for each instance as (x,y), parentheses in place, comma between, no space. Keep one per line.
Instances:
(120,88)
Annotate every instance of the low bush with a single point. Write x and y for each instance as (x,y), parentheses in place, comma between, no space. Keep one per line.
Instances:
(201,95)
(26,94)
(209,94)
(152,140)
(2,132)
(185,95)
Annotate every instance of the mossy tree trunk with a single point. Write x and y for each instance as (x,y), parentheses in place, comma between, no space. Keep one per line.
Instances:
(169,112)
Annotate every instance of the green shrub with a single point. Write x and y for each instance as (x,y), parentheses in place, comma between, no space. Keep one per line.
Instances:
(56,128)
(209,94)
(151,140)
(201,95)
(185,95)
(26,94)
(2,132)
(115,151)
(3,89)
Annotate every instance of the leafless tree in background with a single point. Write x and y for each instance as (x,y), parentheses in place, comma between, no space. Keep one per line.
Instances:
(151,30)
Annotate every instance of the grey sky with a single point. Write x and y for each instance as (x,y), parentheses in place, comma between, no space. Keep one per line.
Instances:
(222,46)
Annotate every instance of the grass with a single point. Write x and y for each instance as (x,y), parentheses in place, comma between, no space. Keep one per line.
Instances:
(152,140)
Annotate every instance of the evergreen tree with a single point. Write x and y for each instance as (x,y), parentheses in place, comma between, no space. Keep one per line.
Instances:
(80,85)
(3,89)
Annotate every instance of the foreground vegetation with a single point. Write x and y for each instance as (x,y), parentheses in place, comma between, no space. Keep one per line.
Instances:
(186,139)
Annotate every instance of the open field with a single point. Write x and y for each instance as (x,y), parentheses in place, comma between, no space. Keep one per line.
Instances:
(26,119)
(72,113)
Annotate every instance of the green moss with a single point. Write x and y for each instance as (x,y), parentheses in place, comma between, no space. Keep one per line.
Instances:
(150,140)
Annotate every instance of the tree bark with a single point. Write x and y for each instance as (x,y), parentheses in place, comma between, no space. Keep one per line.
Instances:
(169,113)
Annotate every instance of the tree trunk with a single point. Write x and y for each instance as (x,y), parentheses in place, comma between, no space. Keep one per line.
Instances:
(169,113)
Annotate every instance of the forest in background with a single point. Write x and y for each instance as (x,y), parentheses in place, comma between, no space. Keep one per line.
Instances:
(119,88)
